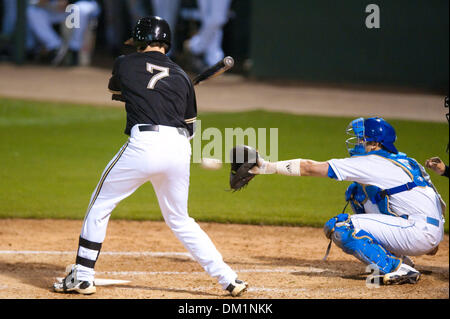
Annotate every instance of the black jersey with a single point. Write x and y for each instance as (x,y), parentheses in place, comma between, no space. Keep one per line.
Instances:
(155,90)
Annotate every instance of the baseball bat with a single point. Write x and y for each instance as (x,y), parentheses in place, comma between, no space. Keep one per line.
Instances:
(223,65)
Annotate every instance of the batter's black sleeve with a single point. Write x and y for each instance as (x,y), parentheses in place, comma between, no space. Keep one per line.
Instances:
(190,116)
(114,82)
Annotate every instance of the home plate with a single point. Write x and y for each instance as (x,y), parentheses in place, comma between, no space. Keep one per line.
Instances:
(103,282)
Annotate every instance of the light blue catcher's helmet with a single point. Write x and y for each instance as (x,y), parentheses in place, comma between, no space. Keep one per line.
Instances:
(373,129)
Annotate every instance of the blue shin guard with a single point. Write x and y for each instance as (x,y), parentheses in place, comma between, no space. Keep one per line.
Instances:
(360,244)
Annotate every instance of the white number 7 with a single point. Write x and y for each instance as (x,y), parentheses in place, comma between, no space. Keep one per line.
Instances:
(164,73)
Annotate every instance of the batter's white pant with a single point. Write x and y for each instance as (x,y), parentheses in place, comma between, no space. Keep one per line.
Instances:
(402,237)
(163,158)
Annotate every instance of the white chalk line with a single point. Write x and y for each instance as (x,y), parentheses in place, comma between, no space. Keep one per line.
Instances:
(164,254)
(108,253)
(271,270)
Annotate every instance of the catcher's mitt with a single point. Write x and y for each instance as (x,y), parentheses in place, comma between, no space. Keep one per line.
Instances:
(243,158)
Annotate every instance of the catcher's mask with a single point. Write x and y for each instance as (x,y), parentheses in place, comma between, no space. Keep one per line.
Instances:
(374,129)
(148,30)
(356,143)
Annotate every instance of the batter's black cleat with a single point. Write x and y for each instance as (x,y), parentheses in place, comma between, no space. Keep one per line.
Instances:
(71,284)
(404,275)
(237,288)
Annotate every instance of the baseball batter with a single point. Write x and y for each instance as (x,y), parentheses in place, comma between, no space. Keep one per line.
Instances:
(398,212)
(161,111)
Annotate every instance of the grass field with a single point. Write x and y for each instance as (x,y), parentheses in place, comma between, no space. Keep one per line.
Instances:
(53,154)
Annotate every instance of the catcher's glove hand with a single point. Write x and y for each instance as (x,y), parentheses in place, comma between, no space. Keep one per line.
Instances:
(243,158)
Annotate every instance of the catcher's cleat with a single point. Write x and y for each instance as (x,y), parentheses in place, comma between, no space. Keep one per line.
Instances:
(404,275)
(237,288)
(71,284)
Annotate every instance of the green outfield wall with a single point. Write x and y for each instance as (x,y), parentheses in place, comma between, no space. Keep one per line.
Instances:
(329,42)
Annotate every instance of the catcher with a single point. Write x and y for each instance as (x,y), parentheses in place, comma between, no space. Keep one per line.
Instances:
(398,212)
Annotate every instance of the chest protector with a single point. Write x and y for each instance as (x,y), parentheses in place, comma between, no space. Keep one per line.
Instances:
(358,194)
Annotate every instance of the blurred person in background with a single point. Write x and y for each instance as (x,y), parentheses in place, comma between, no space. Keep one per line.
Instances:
(42,15)
(9,17)
(435,163)
(168,10)
(205,47)
(8,26)
(115,21)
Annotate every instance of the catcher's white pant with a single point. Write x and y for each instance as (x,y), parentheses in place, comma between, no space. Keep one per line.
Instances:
(402,237)
(163,158)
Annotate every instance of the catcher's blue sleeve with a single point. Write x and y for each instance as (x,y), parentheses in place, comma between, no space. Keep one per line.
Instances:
(331,173)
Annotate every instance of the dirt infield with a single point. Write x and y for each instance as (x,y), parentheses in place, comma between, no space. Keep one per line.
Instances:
(278,262)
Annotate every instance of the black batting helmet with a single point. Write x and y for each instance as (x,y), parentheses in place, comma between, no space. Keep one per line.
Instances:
(150,29)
